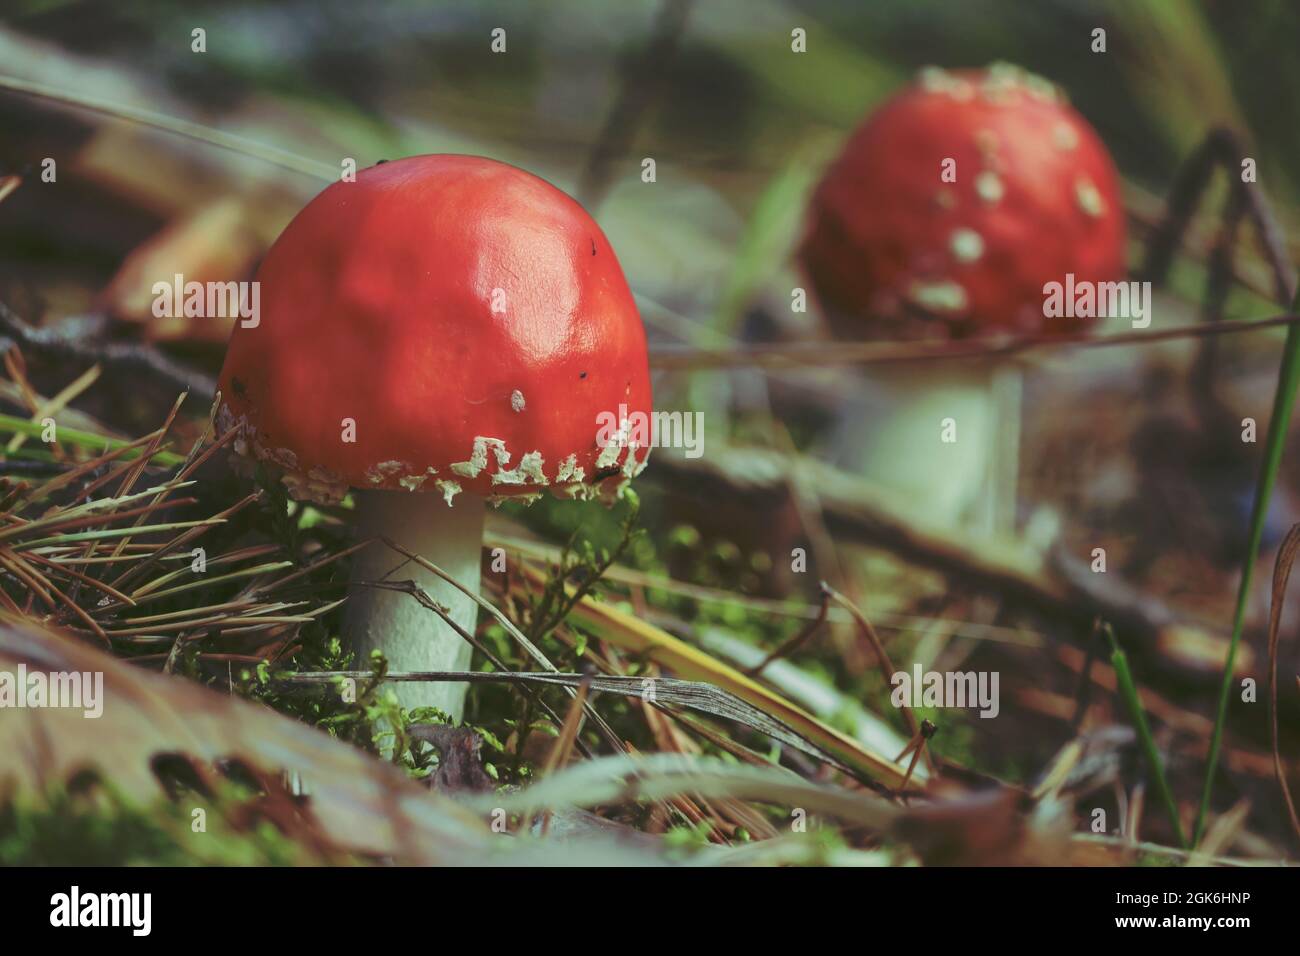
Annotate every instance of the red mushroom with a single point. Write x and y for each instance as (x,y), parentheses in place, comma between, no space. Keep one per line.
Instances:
(443,330)
(946,214)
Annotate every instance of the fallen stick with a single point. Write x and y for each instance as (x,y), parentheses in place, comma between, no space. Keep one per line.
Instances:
(1057,584)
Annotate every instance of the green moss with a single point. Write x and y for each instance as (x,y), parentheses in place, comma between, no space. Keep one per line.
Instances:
(88,823)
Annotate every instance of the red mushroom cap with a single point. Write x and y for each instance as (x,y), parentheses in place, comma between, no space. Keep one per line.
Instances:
(469,318)
(1036,197)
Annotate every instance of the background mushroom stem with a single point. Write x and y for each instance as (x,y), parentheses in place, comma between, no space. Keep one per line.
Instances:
(412,637)
(896,438)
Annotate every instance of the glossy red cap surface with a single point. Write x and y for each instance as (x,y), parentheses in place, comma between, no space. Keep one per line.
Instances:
(469,318)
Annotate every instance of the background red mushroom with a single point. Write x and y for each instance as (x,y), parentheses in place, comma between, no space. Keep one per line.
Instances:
(443,331)
(945,215)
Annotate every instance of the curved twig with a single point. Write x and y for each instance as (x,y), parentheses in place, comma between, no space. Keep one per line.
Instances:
(1286,556)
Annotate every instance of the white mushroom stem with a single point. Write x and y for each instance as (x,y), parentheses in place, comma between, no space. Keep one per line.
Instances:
(411,636)
(944,437)
(1008,386)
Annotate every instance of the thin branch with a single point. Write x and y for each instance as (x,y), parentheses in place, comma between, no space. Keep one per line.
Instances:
(794,643)
(132,360)
(827,354)
(643,80)
(1286,556)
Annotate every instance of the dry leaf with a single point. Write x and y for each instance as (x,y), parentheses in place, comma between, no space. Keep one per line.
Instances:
(359,803)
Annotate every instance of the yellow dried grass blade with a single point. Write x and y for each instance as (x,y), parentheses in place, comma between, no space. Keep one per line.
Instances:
(634,635)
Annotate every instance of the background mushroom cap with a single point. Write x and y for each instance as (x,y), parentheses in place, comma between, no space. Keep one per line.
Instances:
(469,317)
(1036,196)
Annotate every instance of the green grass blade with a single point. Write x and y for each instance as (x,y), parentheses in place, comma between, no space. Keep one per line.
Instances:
(115,533)
(1288,380)
(173,124)
(1128,690)
(89,440)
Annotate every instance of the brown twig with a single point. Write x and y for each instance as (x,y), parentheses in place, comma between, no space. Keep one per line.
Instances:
(1286,556)
(1083,690)
(826,354)
(130,360)
(884,665)
(794,643)
(642,82)
(563,746)
(915,747)
(1221,148)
